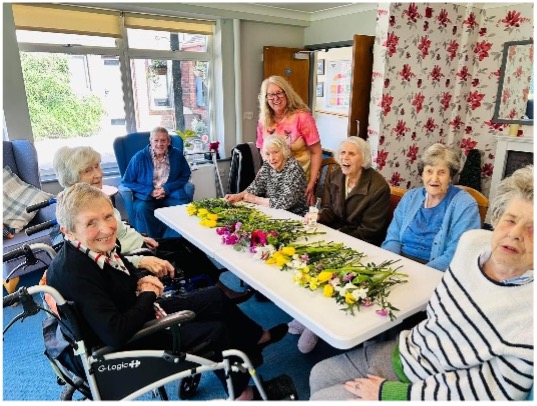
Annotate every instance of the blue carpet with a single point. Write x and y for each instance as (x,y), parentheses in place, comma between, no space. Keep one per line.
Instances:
(27,375)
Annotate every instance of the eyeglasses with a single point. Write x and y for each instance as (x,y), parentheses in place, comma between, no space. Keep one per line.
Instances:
(272,96)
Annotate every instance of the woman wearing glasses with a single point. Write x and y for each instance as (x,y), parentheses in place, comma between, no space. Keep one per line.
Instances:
(284,113)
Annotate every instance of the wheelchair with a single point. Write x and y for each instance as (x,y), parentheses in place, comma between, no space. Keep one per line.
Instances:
(110,374)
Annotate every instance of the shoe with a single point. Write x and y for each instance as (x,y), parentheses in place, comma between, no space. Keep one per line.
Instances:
(295,327)
(242,296)
(279,388)
(276,334)
(307,341)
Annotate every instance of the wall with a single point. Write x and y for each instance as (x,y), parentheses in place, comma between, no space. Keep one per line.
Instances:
(435,80)
(253,37)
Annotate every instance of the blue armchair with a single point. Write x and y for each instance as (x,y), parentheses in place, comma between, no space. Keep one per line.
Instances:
(124,149)
(21,157)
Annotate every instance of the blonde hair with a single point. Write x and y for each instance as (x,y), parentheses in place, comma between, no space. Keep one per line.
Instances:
(278,142)
(71,201)
(363,147)
(519,184)
(68,162)
(294,101)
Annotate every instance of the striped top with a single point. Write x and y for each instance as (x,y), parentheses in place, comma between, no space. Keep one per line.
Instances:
(477,340)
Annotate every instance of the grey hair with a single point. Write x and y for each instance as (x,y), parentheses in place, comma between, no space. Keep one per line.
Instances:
(278,142)
(71,201)
(158,130)
(439,153)
(68,162)
(519,184)
(363,147)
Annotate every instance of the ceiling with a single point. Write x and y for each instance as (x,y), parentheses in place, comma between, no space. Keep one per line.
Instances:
(304,7)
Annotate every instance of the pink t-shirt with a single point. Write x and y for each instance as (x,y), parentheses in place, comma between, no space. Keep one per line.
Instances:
(299,130)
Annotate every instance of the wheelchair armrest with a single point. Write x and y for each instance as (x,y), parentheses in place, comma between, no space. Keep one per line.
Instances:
(151,327)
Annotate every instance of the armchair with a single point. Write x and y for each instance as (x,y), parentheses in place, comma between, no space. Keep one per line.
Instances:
(124,149)
(21,157)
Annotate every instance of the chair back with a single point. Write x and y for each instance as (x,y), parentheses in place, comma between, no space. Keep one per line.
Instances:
(321,189)
(396,193)
(480,198)
(126,146)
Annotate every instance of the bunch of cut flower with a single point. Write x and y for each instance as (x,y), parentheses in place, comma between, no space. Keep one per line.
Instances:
(219,213)
(339,271)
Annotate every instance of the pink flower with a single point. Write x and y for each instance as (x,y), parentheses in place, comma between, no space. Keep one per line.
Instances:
(424,45)
(412,153)
(400,129)
(471,21)
(482,32)
(443,18)
(463,73)
(456,123)
(391,43)
(436,74)
(428,12)
(406,72)
(475,82)
(512,19)
(382,312)
(446,100)
(386,103)
(506,95)
(430,125)
(396,179)
(418,102)
(386,83)
(468,129)
(452,49)
(258,237)
(412,12)
(467,144)
(382,155)
(475,98)
(482,49)
(213,146)
(486,171)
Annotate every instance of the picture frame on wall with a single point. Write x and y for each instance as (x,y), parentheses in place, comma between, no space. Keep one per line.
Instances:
(320,67)
(320,89)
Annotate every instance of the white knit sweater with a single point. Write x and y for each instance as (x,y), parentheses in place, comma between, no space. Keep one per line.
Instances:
(477,341)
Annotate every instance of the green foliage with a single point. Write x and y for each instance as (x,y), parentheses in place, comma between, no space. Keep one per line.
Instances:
(56,111)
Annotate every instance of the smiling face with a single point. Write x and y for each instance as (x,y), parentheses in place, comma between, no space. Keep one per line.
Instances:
(512,240)
(436,179)
(351,159)
(95,226)
(92,174)
(276,99)
(160,143)
(275,157)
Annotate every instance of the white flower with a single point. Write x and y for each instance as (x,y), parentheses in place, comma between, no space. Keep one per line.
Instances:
(360,293)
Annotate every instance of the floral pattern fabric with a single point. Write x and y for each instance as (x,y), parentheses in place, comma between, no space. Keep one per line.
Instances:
(435,78)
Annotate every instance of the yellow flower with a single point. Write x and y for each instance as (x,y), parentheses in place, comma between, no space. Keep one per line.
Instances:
(208,223)
(290,251)
(270,261)
(325,276)
(349,298)
(281,260)
(314,283)
(202,212)
(212,216)
(191,209)
(306,277)
(277,254)
(297,277)
(328,290)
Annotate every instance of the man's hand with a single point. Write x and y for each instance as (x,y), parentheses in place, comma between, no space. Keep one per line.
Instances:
(158,193)
(365,388)
(158,267)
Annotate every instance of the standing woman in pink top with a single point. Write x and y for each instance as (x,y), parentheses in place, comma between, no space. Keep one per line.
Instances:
(283,112)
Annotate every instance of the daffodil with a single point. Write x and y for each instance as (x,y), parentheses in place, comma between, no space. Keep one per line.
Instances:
(281,261)
(328,290)
(191,209)
(349,298)
(325,276)
(314,283)
(289,251)
(212,216)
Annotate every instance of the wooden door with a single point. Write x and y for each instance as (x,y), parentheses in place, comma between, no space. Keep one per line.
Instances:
(362,70)
(283,62)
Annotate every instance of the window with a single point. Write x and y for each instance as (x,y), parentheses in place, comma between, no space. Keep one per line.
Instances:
(87,88)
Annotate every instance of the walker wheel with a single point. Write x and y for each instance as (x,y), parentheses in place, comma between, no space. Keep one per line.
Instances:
(188,386)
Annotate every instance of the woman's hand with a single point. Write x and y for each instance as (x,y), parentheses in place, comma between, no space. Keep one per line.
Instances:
(310,194)
(151,284)
(365,388)
(158,267)
(233,198)
(150,242)
(250,198)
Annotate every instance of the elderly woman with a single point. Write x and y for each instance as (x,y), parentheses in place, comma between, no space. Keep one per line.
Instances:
(158,176)
(83,164)
(477,340)
(358,204)
(428,221)
(280,183)
(114,299)
(282,112)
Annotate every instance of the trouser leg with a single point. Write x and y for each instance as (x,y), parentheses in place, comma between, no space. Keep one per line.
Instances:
(328,377)
(146,222)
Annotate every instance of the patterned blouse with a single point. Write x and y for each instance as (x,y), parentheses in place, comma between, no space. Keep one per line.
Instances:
(285,189)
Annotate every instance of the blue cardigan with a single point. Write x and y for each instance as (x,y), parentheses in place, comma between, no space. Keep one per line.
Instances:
(461,215)
(139,175)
